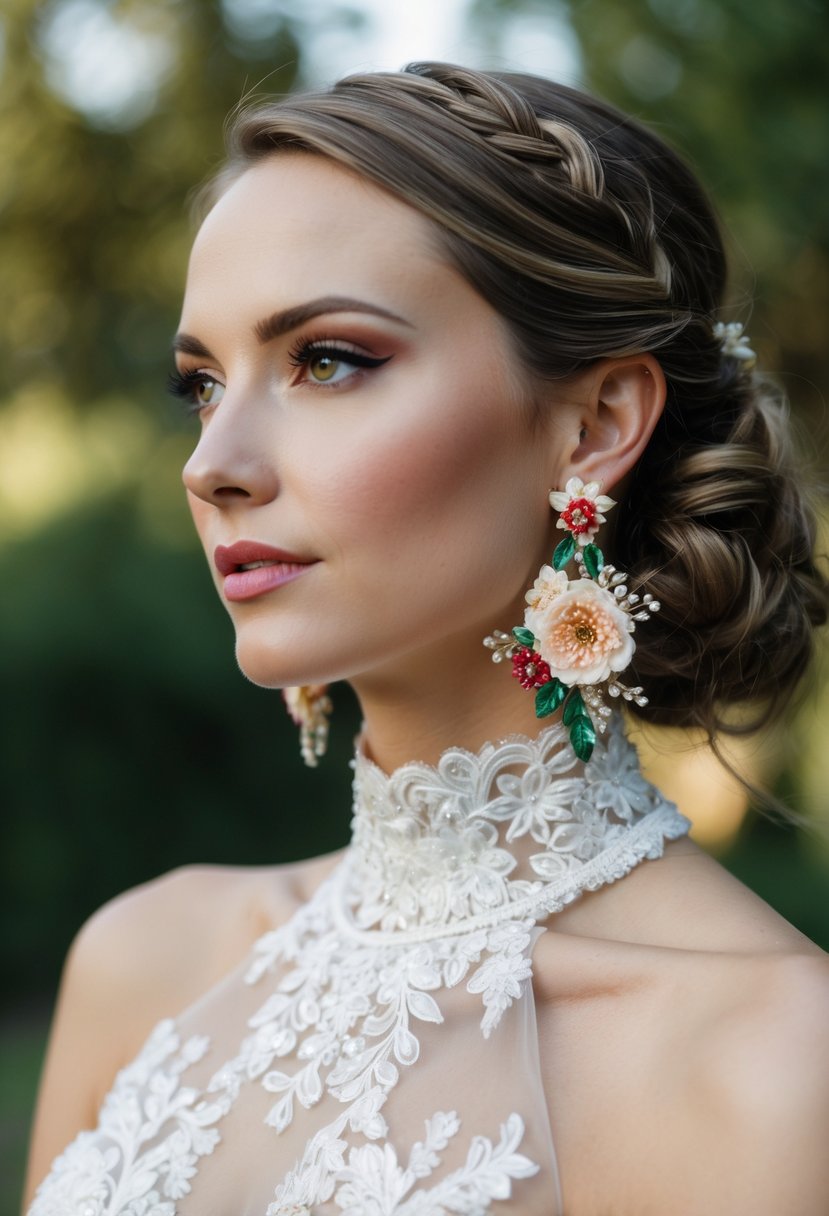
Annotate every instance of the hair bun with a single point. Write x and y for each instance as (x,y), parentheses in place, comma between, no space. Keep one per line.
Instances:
(722,533)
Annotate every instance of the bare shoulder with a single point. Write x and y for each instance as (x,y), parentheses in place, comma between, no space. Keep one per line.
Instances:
(175,935)
(144,956)
(705,1079)
(686,1027)
(772,1008)
(744,1042)
(161,945)
(755,1080)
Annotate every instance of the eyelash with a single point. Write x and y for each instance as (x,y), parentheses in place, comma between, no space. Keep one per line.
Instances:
(184,384)
(302,352)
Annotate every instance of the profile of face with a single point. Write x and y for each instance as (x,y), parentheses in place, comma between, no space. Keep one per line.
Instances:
(365,432)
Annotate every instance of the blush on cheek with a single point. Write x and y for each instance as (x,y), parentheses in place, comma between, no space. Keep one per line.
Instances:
(429,515)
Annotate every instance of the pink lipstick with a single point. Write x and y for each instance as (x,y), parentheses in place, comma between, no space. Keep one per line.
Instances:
(250,568)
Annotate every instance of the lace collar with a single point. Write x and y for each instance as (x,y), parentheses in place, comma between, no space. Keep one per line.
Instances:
(514,830)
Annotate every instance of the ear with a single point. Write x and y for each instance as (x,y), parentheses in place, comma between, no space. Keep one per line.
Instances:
(615,408)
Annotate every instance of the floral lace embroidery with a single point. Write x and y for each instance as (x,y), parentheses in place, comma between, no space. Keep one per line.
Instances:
(374,1184)
(151,1134)
(429,896)
(427,847)
(349,1018)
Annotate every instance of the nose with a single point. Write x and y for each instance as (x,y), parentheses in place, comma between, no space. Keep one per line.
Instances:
(232,461)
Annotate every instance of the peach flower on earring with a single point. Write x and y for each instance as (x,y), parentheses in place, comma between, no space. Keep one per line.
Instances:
(577,634)
(582,634)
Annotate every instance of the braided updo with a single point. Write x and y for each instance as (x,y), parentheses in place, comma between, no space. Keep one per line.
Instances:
(591,238)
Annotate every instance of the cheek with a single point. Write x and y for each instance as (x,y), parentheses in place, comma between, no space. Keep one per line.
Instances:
(439,505)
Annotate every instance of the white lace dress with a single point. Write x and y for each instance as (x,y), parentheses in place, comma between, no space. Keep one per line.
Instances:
(378,1055)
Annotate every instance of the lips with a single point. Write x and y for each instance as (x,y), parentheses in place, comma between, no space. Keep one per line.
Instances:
(250,569)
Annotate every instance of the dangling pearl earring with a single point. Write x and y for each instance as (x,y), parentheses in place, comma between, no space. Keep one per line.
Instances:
(309,707)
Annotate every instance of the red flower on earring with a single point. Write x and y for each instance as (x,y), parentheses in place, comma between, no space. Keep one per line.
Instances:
(581,508)
(529,668)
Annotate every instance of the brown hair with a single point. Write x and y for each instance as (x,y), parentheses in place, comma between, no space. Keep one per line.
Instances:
(592,238)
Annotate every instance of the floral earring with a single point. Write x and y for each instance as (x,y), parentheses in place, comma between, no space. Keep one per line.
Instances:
(577,634)
(309,707)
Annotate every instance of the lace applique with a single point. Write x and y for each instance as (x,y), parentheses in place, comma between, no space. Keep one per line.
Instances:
(374,1184)
(349,1019)
(151,1134)
(429,850)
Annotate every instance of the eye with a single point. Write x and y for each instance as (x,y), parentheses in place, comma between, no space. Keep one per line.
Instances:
(198,388)
(207,391)
(327,363)
(325,368)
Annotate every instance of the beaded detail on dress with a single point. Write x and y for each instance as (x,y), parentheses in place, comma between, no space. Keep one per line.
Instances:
(339,1071)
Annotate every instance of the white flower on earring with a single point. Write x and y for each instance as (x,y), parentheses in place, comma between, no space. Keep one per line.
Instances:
(549,584)
(580,509)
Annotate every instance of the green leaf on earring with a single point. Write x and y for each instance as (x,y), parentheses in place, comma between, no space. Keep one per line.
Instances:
(564,552)
(574,707)
(583,737)
(549,697)
(593,560)
(523,636)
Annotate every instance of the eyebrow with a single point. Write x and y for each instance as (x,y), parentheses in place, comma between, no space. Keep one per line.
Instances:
(283,322)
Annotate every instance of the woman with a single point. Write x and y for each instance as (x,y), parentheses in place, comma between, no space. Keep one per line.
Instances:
(418,303)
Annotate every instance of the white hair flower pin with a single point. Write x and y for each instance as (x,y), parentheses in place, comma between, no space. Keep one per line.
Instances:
(734,341)
(577,635)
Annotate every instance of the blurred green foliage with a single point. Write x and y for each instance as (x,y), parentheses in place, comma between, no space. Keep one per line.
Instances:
(741,87)
(94,236)
(129,741)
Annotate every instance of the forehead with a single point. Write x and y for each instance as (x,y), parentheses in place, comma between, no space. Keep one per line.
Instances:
(297,214)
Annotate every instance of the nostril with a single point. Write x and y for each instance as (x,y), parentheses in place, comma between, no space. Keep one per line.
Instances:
(227,476)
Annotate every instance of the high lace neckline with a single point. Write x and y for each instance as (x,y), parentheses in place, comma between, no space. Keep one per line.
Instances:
(512,830)
(341,1067)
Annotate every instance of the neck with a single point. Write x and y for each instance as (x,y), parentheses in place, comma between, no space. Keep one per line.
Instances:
(453,695)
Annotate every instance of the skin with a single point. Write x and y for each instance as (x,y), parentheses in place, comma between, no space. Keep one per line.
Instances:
(682,1022)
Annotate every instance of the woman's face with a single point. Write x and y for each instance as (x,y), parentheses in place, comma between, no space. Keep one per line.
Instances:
(364,432)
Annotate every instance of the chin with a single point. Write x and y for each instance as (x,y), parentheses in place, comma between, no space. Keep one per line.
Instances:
(269,664)
(268,667)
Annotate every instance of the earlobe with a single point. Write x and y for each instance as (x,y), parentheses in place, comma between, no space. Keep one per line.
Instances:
(622,401)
